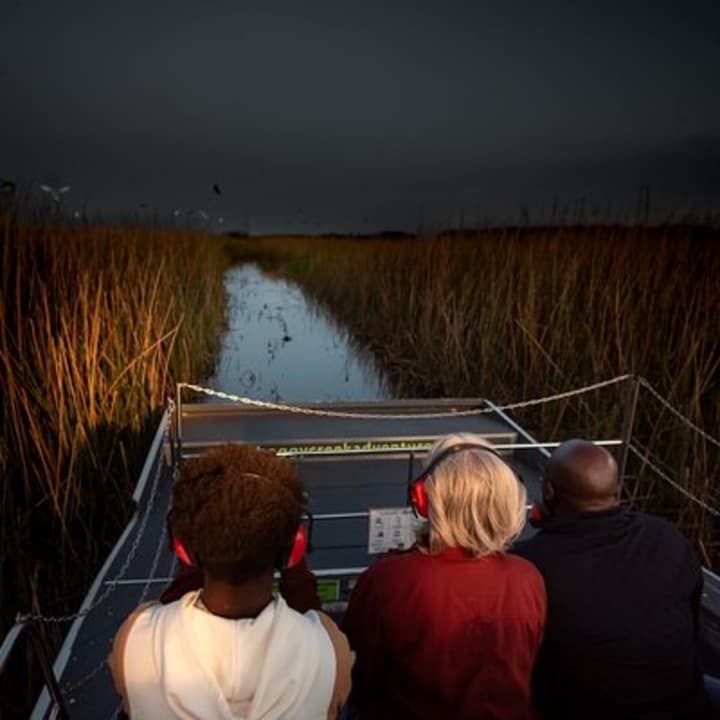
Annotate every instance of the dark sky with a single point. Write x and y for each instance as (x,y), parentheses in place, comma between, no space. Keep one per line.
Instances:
(363,115)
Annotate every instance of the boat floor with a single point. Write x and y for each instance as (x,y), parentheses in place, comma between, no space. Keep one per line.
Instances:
(352,482)
(346,484)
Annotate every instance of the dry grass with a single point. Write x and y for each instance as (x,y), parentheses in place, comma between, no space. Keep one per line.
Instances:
(518,313)
(95,323)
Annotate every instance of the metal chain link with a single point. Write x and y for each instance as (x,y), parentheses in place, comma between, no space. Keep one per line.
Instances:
(642,454)
(677,413)
(299,410)
(173,570)
(296,409)
(112,584)
(69,689)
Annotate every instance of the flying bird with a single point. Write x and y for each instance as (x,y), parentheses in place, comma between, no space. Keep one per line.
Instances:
(216,189)
(55,192)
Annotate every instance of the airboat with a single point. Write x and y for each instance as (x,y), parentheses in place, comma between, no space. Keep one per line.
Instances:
(354,460)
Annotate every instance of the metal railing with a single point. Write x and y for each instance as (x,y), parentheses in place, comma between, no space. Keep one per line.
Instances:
(32,629)
(171,424)
(31,624)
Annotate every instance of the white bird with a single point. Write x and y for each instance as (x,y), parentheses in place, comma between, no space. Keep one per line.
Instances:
(221,220)
(202,214)
(55,192)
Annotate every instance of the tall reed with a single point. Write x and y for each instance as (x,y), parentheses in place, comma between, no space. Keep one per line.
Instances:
(95,324)
(517,313)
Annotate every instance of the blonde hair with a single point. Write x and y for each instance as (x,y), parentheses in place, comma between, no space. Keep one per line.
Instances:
(475,500)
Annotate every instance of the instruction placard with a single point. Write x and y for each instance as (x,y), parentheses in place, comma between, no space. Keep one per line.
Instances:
(391,529)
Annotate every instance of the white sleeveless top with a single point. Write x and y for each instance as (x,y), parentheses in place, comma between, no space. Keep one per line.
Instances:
(181,661)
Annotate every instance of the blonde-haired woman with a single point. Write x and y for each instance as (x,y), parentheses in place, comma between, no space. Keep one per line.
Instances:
(451,628)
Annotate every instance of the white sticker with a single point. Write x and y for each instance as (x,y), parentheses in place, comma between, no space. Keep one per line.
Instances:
(391,529)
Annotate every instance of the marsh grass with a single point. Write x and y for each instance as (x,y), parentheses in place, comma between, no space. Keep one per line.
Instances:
(95,324)
(520,313)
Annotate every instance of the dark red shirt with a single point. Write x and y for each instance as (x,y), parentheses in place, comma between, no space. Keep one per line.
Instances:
(446,636)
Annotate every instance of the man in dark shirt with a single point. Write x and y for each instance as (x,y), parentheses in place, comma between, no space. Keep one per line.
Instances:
(623,601)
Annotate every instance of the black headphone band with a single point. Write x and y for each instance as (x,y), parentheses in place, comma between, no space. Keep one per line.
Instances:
(455,449)
(305,514)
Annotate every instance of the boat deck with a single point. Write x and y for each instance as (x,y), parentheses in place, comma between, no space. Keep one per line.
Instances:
(348,466)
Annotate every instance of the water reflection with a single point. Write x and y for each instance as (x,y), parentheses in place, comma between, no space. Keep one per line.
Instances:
(278,346)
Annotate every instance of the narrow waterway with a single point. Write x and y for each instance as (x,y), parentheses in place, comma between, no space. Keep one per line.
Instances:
(279,346)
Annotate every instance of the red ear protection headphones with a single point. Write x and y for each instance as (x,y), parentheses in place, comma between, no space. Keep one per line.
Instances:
(417,494)
(299,548)
(536,517)
(180,551)
(302,544)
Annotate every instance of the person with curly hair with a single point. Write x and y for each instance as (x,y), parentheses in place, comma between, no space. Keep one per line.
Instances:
(451,628)
(221,646)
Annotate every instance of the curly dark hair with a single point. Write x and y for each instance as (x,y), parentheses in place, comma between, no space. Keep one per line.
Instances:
(237,509)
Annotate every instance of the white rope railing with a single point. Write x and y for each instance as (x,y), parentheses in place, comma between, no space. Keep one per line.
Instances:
(643,456)
(303,410)
(677,413)
(641,453)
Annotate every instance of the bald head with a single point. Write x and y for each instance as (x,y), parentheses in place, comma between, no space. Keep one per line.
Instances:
(581,477)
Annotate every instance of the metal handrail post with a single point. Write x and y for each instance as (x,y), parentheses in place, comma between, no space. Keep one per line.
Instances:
(172,437)
(178,409)
(631,400)
(37,642)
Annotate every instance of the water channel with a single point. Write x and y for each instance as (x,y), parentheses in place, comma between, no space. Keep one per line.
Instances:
(280,346)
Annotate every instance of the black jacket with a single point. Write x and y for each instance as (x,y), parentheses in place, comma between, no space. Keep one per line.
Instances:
(620,641)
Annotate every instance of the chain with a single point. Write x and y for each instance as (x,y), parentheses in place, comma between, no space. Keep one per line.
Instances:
(296,409)
(677,413)
(643,456)
(299,410)
(173,569)
(641,453)
(156,560)
(563,395)
(69,689)
(112,584)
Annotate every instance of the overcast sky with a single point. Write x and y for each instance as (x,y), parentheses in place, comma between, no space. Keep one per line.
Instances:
(316,116)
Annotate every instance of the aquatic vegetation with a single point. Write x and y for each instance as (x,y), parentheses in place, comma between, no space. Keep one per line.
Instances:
(518,313)
(96,323)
